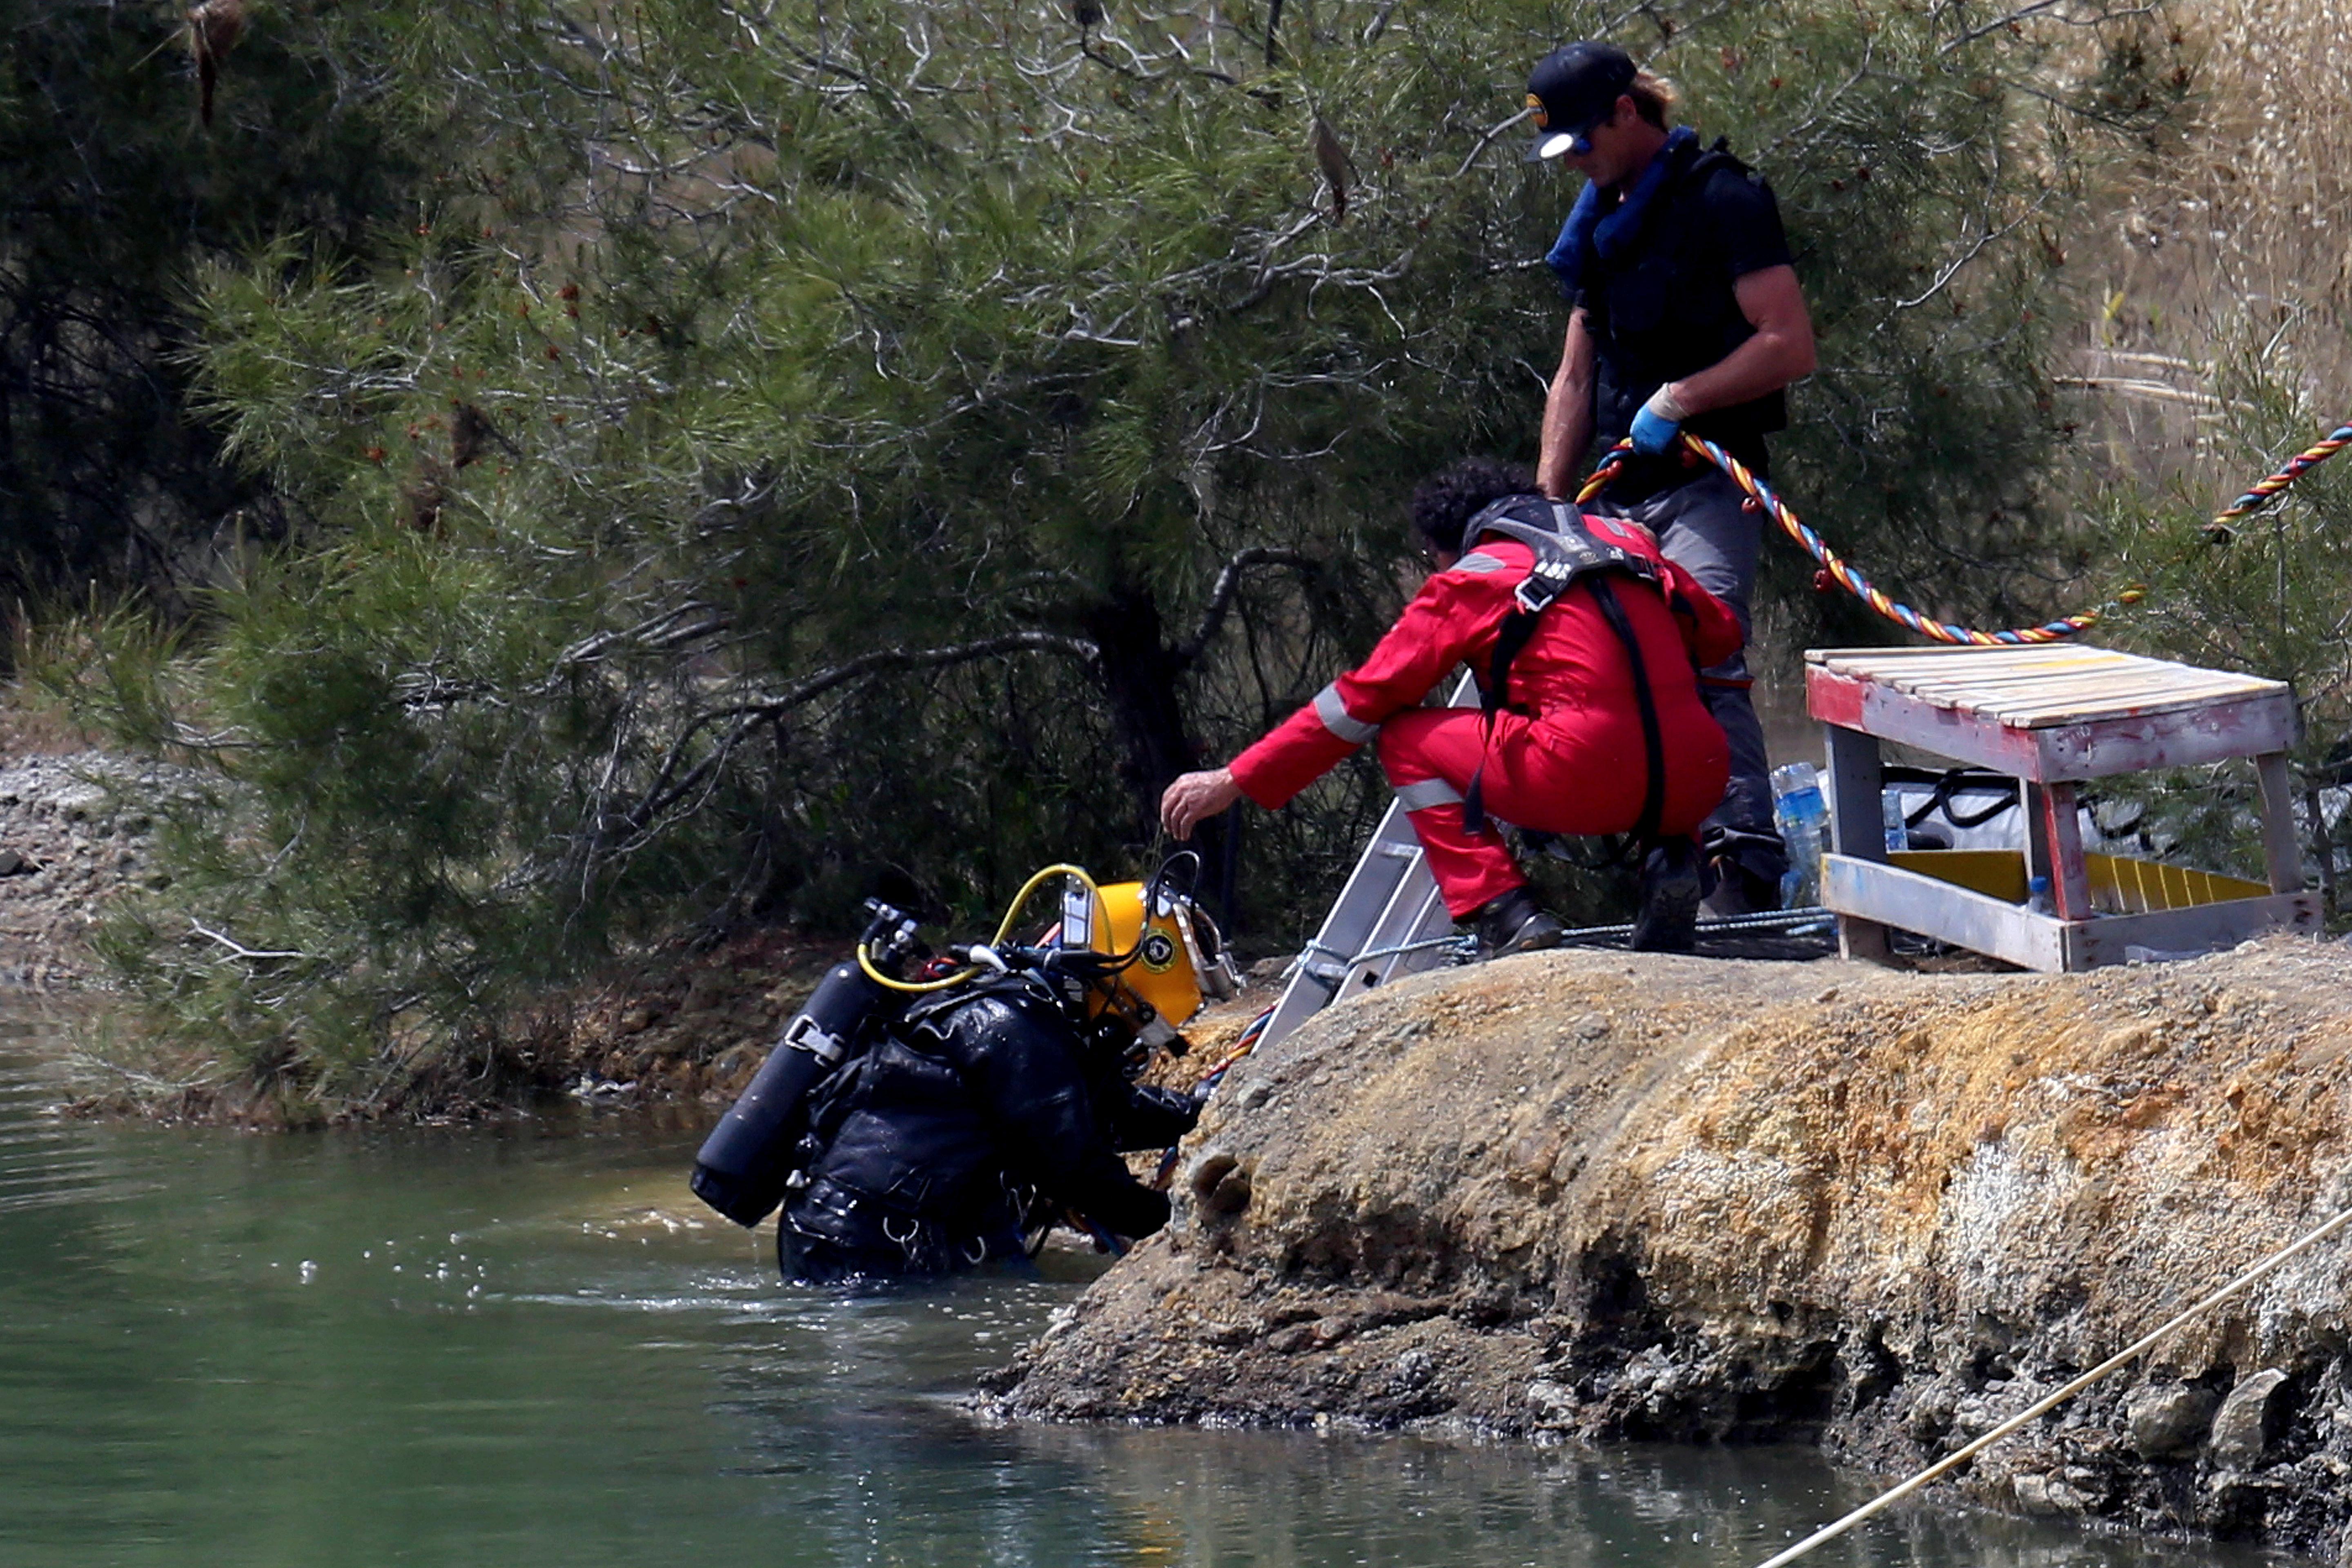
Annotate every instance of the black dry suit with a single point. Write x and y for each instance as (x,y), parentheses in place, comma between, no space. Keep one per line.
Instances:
(982,1112)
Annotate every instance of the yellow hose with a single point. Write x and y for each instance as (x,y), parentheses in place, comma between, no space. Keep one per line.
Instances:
(875,975)
(1013,910)
(1012,914)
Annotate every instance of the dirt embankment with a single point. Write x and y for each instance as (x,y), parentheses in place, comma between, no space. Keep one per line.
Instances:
(1596,1197)
(676,1023)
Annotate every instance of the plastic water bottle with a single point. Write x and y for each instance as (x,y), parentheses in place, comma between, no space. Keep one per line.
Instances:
(2037,896)
(1890,812)
(1803,817)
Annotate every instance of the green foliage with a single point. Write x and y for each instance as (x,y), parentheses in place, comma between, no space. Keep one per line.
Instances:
(109,192)
(803,440)
(2261,594)
(1931,168)
(2265,594)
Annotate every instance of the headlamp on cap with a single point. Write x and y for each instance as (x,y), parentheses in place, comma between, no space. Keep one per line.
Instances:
(1572,89)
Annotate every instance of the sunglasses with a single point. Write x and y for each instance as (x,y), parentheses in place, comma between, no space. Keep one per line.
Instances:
(1580,140)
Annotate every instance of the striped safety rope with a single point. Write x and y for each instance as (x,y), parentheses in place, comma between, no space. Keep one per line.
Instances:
(1844,573)
(2303,462)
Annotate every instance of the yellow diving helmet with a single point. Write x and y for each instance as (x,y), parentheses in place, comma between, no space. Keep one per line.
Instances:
(1178,961)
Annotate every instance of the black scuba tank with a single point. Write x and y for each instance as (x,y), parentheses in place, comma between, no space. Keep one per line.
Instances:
(743,1166)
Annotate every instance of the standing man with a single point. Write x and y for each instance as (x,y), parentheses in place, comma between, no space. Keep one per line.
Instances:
(1685,315)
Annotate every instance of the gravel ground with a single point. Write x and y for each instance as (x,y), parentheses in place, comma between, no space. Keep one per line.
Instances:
(69,841)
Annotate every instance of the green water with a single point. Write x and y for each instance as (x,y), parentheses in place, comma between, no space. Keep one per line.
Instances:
(520,1346)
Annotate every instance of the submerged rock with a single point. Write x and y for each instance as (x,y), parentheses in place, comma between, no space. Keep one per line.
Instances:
(1595,1197)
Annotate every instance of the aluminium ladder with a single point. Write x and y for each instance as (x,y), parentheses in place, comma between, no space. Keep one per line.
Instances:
(1388,920)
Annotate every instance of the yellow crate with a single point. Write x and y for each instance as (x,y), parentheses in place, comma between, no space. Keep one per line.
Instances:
(2119,884)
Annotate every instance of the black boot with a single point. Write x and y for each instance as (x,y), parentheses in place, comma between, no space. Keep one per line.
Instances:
(1741,872)
(1668,921)
(1513,922)
(1740,891)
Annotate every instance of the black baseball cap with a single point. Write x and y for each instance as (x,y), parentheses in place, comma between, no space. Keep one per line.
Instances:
(1572,88)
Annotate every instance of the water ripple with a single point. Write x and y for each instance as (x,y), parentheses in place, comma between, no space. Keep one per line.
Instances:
(44,1161)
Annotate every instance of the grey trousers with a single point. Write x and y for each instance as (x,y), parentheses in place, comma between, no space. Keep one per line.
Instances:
(1702,527)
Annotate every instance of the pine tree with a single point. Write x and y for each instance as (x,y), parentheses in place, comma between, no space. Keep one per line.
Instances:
(805,439)
(114,187)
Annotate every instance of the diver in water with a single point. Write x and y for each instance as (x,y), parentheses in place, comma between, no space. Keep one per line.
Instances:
(914,1128)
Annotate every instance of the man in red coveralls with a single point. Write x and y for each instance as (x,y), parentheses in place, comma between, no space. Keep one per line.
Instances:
(1567,753)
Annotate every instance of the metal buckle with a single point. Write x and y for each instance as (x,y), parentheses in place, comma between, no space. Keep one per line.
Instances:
(1541,587)
(804,1033)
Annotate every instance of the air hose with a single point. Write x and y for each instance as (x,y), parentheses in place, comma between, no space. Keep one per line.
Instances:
(1004,930)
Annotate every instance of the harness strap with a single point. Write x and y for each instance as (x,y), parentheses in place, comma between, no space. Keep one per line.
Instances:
(1654,742)
(1518,627)
(1564,554)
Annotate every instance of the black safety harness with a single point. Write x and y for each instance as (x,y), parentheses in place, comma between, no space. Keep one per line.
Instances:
(1566,552)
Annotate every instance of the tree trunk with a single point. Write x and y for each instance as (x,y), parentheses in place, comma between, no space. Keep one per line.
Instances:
(1140,672)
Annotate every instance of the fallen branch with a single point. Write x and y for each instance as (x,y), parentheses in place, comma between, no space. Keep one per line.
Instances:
(2146,391)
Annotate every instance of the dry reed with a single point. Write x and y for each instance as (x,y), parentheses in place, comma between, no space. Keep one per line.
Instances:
(2232,250)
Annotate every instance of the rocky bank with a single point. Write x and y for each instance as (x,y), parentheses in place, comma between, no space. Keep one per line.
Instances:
(69,841)
(1593,1197)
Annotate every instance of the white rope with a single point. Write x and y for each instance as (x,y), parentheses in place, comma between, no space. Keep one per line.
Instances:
(1831,1532)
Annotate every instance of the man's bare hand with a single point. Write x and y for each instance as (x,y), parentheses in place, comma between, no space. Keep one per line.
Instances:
(1195,797)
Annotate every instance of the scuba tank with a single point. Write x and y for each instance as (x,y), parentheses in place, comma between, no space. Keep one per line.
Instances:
(744,1166)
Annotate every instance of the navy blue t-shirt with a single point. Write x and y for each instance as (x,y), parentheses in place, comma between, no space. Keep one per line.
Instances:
(1744,220)
(1663,306)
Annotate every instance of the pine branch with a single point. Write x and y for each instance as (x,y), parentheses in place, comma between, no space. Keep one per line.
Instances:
(1228,583)
(897,658)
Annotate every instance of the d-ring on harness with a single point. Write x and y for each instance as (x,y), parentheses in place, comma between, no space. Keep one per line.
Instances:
(906,1243)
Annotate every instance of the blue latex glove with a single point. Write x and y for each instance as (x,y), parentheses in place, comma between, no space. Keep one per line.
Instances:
(1654,437)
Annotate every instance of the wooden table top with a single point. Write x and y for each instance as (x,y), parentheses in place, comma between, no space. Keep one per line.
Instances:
(2042,686)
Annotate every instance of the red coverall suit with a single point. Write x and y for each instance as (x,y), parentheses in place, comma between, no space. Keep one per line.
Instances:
(1566,755)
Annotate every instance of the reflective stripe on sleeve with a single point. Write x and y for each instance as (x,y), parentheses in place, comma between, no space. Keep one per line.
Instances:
(1339,721)
(1420,796)
(1479,561)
